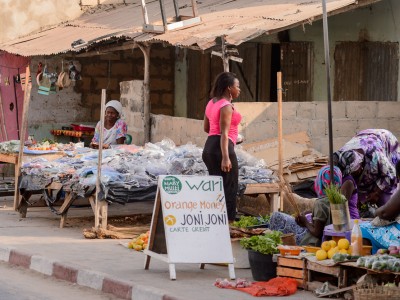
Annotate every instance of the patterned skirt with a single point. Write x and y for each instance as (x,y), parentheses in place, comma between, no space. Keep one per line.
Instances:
(287,224)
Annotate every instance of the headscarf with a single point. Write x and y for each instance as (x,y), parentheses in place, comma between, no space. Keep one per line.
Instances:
(323,179)
(348,161)
(116,105)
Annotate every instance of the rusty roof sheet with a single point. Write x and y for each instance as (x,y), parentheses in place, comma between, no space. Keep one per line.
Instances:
(237,20)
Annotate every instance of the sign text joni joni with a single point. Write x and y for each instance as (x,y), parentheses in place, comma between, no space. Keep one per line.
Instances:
(194,211)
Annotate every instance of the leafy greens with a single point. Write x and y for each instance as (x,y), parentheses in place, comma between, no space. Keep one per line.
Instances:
(265,244)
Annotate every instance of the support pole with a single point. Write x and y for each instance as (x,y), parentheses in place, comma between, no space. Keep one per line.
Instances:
(280,142)
(100,160)
(225,59)
(144,12)
(163,14)
(176,7)
(25,109)
(328,81)
(194,8)
(146,92)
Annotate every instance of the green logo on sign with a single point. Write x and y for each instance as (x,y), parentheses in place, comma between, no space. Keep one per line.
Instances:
(171,185)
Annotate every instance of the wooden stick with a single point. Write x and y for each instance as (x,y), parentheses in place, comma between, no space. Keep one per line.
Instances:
(25,109)
(280,148)
(100,158)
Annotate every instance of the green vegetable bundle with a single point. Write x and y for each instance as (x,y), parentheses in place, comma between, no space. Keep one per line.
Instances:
(265,244)
(334,195)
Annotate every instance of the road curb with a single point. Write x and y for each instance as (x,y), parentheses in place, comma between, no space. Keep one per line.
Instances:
(84,277)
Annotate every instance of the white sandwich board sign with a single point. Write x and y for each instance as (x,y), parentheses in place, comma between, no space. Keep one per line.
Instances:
(192,224)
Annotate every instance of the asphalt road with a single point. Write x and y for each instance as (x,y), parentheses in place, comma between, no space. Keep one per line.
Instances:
(21,284)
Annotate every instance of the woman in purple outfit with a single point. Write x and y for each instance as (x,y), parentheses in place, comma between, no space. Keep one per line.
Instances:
(371,158)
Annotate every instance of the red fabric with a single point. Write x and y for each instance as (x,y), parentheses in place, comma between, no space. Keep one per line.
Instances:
(280,286)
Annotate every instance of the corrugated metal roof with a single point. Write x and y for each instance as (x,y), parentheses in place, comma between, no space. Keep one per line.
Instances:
(238,20)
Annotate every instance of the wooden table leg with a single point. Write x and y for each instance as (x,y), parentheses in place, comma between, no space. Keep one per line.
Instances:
(63,219)
(273,201)
(69,199)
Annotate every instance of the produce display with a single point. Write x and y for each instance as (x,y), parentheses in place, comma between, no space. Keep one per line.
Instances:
(341,257)
(394,250)
(330,248)
(139,243)
(384,262)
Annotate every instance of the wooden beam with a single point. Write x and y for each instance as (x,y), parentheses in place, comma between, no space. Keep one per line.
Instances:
(25,109)
(100,159)
(280,142)
(146,91)
(102,50)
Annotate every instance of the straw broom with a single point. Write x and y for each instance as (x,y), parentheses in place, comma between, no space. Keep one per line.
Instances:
(283,185)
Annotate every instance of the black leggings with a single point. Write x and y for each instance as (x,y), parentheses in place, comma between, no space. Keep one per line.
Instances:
(212,157)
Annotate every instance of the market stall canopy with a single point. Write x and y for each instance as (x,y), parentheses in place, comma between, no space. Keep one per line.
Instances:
(239,21)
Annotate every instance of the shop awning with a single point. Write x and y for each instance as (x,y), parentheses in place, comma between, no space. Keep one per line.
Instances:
(238,20)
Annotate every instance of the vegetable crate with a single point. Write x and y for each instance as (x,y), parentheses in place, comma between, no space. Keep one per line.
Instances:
(293,267)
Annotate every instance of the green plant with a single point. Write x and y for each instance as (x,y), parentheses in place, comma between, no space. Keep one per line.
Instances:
(247,221)
(334,195)
(265,244)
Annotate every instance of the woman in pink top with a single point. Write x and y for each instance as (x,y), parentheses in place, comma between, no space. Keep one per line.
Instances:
(221,121)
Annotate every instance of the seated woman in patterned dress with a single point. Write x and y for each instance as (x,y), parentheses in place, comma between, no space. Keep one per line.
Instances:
(309,231)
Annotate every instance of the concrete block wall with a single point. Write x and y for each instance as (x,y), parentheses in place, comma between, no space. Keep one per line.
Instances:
(180,130)
(259,122)
(107,71)
(132,105)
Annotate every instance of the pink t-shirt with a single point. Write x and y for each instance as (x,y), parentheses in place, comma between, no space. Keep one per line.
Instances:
(213,114)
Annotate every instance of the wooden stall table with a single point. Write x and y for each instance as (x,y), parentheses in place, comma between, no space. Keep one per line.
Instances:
(271,192)
(20,204)
(337,271)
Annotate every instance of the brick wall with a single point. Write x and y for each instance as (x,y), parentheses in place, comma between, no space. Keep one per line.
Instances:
(259,122)
(107,71)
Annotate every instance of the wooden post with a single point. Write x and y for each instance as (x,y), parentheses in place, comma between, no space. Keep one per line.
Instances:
(100,160)
(280,142)
(225,55)
(146,93)
(225,59)
(25,109)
